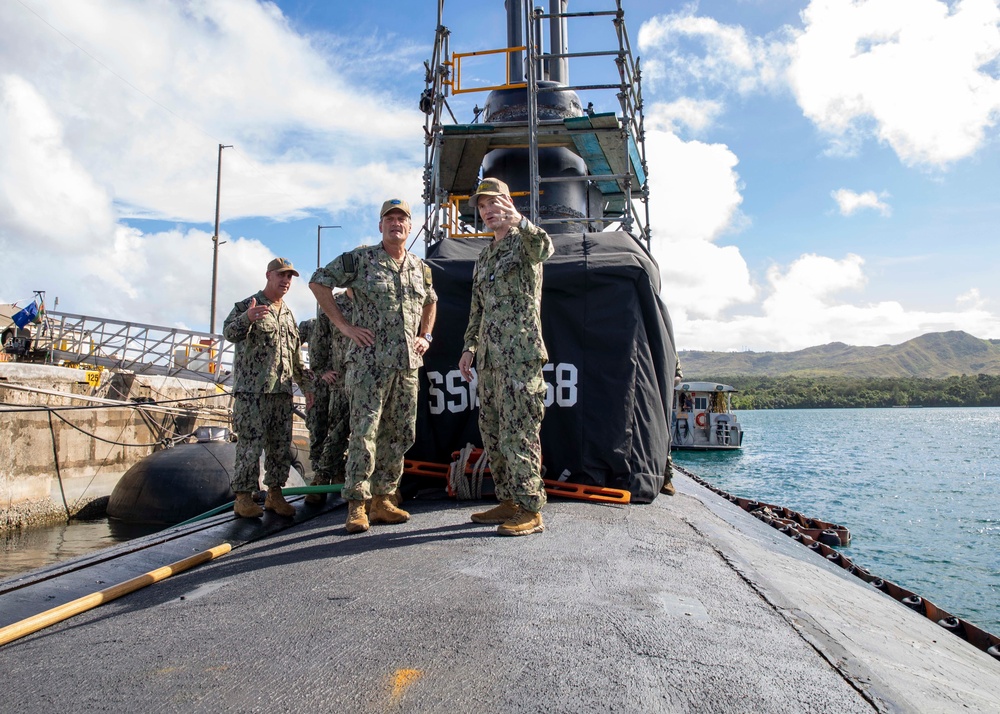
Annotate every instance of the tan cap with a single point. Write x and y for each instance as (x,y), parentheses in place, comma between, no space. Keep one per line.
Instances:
(488,187)
(396,203)
(282,265)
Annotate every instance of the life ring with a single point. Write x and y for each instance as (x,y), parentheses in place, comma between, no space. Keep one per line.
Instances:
(700,420)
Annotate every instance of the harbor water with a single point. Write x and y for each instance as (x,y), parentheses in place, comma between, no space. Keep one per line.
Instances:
(919,490)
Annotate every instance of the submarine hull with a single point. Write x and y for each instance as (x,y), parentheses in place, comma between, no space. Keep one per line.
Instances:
(175,484)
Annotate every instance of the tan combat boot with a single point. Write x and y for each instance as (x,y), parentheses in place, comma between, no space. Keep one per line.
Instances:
(276,502)
(244,507)
(668,487)
(500,513)
(357,519)
(385,511)
(523,523)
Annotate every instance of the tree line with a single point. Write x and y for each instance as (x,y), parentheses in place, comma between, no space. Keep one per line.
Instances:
(981,390)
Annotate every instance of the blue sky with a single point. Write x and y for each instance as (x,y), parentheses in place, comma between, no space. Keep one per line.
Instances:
(820,171)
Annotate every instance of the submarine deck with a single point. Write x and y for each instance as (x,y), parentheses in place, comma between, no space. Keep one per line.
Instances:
(684,605)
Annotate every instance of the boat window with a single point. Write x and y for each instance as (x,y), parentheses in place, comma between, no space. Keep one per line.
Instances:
(700,403)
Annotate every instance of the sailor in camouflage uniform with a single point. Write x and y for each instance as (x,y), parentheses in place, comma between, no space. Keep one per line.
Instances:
(327,353)
(504,337)
(315,417)
(267,360)
(394,310)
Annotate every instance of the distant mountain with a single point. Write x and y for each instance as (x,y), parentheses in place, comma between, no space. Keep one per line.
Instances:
(936,354)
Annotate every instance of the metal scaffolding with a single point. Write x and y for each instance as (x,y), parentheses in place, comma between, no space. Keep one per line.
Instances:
(611,144)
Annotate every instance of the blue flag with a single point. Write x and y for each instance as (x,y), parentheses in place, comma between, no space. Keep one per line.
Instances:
(25,316)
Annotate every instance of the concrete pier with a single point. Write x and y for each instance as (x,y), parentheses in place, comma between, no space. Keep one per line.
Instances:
(684,605)
(54,463)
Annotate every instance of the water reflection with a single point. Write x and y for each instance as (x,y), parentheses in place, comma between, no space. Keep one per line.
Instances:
(28,549)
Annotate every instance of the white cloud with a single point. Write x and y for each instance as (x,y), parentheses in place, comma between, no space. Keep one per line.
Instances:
(813,300)
(919,75)
(805,306)
(850,202)
(696,199)
(147,91)
(727,55)
(110,110)
(913,73)
(971,300)
(695,115)
(45,194)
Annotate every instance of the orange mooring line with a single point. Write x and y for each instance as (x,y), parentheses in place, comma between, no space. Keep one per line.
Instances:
(578,491)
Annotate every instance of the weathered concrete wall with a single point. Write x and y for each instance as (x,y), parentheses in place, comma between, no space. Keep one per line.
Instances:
(32,488)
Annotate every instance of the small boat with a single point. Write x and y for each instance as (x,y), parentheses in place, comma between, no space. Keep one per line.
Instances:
(703,418)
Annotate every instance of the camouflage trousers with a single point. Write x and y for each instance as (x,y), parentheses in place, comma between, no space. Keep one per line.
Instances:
(317,421)
(332,462)
(262,422)
(383,407)
(511,407)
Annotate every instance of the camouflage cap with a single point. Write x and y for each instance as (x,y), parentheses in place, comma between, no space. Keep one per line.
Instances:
(488,187)
(282,265)
(398,204)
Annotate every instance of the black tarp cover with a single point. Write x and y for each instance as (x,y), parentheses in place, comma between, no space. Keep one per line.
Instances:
(610,371)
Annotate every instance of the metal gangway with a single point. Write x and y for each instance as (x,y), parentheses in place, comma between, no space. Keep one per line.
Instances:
(79,340)
(611,143)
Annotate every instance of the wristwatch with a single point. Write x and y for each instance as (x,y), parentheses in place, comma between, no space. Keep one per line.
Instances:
(429,337)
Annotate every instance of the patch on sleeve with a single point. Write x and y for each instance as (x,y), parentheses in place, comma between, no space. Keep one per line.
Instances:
(350,265)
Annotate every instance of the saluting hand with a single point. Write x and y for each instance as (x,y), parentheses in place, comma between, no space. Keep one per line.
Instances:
(509,215)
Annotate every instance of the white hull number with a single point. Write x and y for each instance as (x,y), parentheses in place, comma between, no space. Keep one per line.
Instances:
(450,392)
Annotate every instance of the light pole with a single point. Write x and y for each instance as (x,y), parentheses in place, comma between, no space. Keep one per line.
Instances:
(215,238)
(319,229)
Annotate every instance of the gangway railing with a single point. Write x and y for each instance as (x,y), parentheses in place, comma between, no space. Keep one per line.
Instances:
(143,349)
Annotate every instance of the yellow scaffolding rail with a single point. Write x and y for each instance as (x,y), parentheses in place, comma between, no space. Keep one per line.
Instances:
(456,64)
(453,209)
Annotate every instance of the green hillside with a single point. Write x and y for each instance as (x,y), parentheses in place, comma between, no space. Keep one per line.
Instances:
(934,355)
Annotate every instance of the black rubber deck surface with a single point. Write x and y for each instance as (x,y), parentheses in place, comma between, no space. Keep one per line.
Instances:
(613,609)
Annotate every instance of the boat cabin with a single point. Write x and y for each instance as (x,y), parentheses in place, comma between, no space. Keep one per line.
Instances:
(703,418)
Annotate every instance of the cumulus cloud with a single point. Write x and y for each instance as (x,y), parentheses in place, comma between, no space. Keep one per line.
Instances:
(692,114)
(913,73)
(714,301)
(850,202)
(683,49)
(113,110)
(46,195)
(697,197)
(806,305)
(918,75)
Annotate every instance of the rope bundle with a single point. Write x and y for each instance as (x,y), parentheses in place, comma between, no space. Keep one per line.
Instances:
(471,487)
